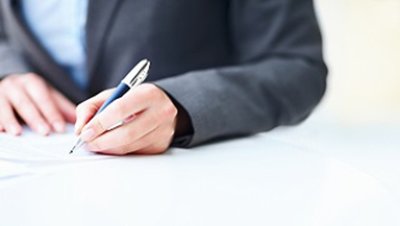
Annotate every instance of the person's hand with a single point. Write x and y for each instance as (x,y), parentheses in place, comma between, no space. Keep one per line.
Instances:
(149,118)
(30,98)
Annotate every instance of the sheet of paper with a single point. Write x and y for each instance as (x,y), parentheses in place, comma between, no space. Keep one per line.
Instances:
(33,147)
(9,169)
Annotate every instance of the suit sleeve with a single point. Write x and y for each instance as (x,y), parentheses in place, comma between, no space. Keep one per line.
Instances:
(10,61)
(278,78)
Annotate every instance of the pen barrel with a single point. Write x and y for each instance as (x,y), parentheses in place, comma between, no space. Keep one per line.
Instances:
(121,89)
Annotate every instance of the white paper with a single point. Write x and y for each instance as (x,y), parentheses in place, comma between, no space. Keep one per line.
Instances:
(37,148)
(9,169)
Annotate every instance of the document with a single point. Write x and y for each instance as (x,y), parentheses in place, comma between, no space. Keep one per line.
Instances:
(32,147)
(9,169)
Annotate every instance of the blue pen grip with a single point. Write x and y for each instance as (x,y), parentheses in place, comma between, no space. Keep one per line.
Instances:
(121,89)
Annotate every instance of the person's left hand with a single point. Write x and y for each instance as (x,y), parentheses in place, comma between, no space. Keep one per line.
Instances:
(149,122)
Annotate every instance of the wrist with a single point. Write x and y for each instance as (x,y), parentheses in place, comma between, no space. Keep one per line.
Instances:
(183,125)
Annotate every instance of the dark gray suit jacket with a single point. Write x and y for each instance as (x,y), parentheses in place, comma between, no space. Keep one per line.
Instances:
(236,66)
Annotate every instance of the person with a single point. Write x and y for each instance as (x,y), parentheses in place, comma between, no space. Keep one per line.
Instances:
(220,69)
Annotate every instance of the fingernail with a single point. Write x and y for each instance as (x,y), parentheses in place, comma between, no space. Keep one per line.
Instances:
(59,127)
(88,134)
(44,130)
(76,128)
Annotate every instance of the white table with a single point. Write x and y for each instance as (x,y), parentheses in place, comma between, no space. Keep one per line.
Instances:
(310,175)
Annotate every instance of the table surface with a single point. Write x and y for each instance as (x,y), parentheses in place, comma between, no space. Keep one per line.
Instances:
(313,174)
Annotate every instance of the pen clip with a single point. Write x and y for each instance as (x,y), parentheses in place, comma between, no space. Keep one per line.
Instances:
(138,74)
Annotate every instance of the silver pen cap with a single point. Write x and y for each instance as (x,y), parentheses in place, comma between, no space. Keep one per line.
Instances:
(138,74)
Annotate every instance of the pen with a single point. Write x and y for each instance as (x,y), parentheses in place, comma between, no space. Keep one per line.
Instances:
(134,78)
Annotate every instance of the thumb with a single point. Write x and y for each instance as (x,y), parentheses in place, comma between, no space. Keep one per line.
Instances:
(87,109)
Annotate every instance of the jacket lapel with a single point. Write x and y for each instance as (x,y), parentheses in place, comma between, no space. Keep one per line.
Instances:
(100,16)
(38,56)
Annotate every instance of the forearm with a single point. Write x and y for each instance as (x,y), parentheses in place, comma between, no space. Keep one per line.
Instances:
(277,77)
(247,99)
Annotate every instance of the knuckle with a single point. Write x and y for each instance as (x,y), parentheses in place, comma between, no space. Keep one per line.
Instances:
(30,80)
(32,76)
(8,81)
(34,79)
(159,95)
(169,111)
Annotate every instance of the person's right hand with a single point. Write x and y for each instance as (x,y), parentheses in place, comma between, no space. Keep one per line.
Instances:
(30,98)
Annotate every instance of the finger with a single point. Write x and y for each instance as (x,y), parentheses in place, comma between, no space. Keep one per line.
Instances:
(40,94)
(129,133)
(1,128)
(87,109)
(149,144)
(28,111)
(133,102)
(65,106)
(8,119)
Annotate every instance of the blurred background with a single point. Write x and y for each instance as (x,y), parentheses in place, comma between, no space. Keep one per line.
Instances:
(362,50)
